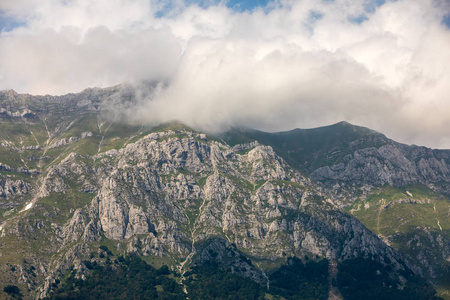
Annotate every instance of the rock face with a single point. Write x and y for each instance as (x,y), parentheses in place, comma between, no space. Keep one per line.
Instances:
(400,192)
(174,194)
(357,156)
(177,189)
(10,188)
(393,164)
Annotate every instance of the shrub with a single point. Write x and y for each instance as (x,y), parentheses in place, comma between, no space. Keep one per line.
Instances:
(11,289)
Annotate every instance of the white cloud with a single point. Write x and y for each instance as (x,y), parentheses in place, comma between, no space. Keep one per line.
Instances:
(301,64)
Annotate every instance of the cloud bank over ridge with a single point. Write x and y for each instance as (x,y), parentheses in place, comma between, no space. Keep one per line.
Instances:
(385,65)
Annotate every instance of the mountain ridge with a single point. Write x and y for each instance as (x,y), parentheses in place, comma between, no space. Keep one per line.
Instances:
(184,198)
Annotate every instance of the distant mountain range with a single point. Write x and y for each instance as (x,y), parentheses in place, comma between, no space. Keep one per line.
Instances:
(326,213)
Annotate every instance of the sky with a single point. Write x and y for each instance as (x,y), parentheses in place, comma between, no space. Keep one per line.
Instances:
(266,64)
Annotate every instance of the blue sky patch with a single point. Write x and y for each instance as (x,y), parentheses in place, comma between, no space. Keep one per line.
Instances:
(446,21)
(248,5)
(9,23)
(314,16)
(358,20)
(371,5)
(235,5)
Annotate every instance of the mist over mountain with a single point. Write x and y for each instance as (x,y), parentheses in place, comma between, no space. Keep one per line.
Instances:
(273,66)
(88,197)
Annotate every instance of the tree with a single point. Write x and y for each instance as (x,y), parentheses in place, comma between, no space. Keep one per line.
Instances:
(11,289)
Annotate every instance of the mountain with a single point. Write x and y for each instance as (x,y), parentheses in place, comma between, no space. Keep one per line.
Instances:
(247,214)
(352,154)
(400,192)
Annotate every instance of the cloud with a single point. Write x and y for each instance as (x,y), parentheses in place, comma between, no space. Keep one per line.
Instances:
(290,64)
(59,62)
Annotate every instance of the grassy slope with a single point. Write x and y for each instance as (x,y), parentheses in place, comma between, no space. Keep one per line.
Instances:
(308,149)
(409,219)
